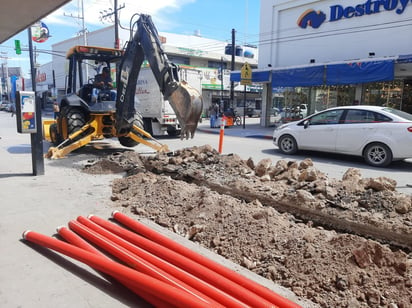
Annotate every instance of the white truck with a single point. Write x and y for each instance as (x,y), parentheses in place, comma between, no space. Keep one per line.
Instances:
(158,116)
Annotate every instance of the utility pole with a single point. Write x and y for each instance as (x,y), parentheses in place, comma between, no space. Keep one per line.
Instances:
(108,14)
(35,138)
(83,32)
(116,26)
(232,68)
(221,80)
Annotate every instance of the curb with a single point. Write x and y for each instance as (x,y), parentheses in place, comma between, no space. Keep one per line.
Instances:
(217,132)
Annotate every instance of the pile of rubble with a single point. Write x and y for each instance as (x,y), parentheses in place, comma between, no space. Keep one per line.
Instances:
(338,243)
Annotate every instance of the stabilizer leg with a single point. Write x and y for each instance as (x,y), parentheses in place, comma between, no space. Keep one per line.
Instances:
(136,134)
(71,144)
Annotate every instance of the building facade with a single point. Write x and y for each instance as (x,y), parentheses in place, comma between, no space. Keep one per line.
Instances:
(330,53)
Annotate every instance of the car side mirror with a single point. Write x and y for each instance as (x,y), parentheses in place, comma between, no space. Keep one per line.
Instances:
(306,124)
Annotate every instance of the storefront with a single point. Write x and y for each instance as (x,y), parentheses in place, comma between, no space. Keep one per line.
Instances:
(321,54)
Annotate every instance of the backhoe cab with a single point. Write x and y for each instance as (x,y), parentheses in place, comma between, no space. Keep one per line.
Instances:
(87,114)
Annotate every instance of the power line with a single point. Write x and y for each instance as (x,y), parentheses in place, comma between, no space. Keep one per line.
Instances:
(365,28)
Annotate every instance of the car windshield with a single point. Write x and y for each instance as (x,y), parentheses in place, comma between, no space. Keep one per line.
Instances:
(399,113)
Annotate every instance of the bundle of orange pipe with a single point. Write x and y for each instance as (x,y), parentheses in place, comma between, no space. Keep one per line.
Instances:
(160,270)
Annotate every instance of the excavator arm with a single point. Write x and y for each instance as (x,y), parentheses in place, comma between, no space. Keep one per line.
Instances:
(184,99)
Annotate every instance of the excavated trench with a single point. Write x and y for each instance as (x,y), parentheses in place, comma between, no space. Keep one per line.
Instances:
(338,243)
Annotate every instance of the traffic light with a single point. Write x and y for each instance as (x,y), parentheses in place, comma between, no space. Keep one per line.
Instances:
(17,47)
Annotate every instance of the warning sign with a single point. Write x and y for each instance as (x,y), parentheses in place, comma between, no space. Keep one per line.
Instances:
(246,74)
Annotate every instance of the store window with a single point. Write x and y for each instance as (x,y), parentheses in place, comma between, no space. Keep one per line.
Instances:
(387,94)
(179,59)
(332,96)
(217,64)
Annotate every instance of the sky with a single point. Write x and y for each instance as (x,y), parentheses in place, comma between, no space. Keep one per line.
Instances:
(214,19)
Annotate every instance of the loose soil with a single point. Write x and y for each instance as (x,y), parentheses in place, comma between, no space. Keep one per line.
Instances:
(336,242)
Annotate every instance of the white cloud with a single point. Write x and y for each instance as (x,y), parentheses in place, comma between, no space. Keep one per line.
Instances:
(70,15)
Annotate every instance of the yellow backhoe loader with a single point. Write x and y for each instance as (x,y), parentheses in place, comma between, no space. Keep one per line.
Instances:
(90,112)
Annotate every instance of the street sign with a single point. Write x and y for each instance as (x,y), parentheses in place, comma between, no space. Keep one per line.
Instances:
(40,32)
(246,74)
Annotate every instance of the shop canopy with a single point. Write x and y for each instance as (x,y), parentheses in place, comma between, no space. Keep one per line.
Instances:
(298,77)
(404,59)
(326,74)
(257,76)
(360,72)
(15,16)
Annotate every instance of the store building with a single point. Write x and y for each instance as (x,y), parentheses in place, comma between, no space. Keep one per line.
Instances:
(329,53)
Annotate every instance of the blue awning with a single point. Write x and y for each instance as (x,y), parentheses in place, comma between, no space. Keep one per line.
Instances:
(359,72)
(328,74)
(298,77)
(257,76)
(404,59)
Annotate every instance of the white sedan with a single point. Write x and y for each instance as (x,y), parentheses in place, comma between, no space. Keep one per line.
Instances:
(379,134)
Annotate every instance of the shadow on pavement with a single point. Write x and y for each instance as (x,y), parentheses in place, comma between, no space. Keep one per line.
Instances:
(112,287)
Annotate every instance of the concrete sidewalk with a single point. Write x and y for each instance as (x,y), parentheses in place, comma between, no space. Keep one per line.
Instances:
(251,129)
(34,277)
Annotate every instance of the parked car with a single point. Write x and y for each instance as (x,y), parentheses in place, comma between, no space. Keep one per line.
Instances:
(11,107)
(378,134)
(4,106)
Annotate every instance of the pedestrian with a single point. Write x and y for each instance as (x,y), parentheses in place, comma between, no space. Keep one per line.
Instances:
(56,110)
(13,109)
(214,113)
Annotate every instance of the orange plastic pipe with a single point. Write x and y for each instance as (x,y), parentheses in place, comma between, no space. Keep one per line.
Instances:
(135,261)
(221,134)
(148,284)
(204,287)
(202,272)
(159,238)
(76,240)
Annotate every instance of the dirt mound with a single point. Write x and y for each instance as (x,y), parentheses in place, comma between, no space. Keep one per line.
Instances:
(338,243)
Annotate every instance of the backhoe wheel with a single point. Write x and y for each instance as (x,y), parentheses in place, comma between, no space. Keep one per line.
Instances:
(55,137)
(76,119)
(127,141)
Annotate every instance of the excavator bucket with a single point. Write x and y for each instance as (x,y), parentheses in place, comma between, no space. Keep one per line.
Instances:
(187,103)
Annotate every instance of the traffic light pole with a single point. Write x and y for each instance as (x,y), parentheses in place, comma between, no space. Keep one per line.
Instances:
(36,138)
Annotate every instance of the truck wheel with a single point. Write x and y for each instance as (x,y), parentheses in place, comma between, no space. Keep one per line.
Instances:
(147,125)
(173,132)
(127,141)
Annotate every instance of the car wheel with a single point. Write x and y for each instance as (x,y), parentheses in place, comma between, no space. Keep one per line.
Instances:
(287,144)
(377,154)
